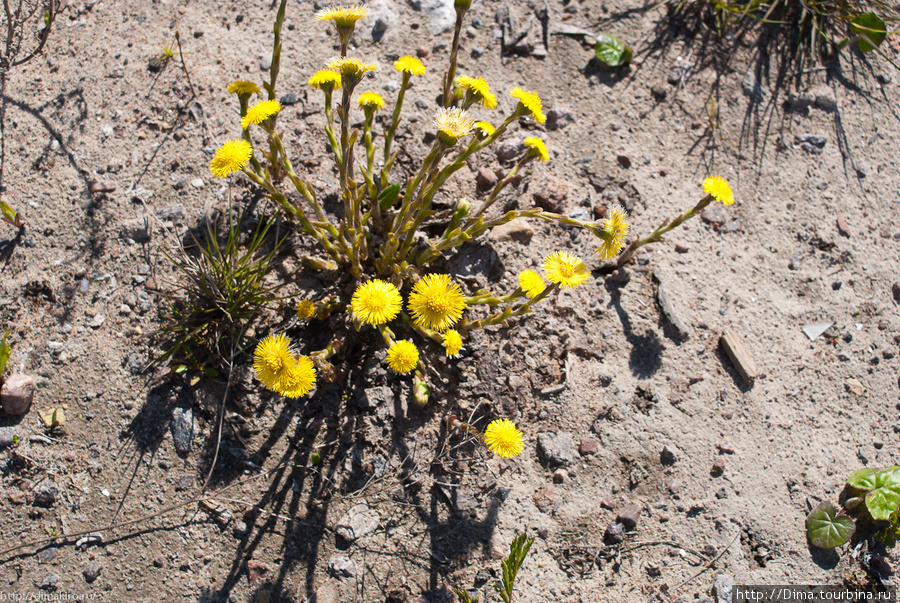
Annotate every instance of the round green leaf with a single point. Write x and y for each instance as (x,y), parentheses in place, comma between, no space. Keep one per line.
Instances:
(611,52)
(825,530)
(881,502)
(870,29)
(862,480)
(888,478)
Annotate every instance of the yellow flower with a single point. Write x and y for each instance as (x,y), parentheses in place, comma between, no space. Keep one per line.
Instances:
(343,16)
(436,303)
(325,80)
(485,128)
(452,343)
(403,356)
(273,361)
(538,148)
(565,269)
(531,102)
(300,379)
(230,157)
(615,227)
(453,124)
(260,112)
(376,302)
(504,440)
(306,309)
(350,67)
(479,89)
(243,87)
(371,99)
(719,188)
(531,283)
(410,65)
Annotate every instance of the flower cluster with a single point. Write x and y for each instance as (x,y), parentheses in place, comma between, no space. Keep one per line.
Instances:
(279,369)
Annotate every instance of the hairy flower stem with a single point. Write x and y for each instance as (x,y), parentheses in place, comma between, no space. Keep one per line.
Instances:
(273,78)
(657,235)
(454,422)
(501,318)
(454,52)
(485,297)
(329,128)
(395,121)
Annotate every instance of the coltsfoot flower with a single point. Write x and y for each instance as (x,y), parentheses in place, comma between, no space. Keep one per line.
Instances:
(436,303)
(531,283)
(537,148)
(485,128)
(478,88)
(719,188)
(452,343)
(376,302)
(613,233)
(240,87)
(300,378)
(403,356)
(306,309)
(260,112)
(565,269)
(350,67)
(231,157)
(273,361)
(326,80)
(531,102)
(371,100)
(453,124)
(343,16)
(409,64)
(504,440)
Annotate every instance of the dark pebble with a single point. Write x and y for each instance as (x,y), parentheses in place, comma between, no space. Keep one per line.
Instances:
(615,533)
(624,161)
(92,571)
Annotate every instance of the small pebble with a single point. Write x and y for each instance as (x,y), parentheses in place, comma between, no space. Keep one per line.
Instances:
(718,467)
(878,443)
(725,447)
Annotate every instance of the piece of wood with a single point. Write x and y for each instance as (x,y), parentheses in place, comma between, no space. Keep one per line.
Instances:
(743,361)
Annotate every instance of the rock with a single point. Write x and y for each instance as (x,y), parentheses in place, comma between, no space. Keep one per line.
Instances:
(182,429)
(256,571)
(722,588)
(588,446)
(47,554)
(265,63)
(357,522)
(725,447)
(510,149)
(682,330)
(675,487)
(342,567)
(678,72)
(718,467)
(794,263)
(878,443)
(659,92)
(327,593)
(92,571)
(422,51)
(45,493)
(825,99)
(16,395)
(197,183)
(477,52)
(884,78)
(440,13)
(559,476)
(136,229)
(519,230)
(854,386)
(545,499)
(551,196)
(714,214)
(752,88)
(615,533)
(681,248)
(895,291)
(558,118)
(49,582)
(629,516)
(159,561)
(289,99)
(624,161)
(485,179)
(862,170)
(812,143)
(557,449)
(842,226)
(800,101)
(669,455)
(103,186)
(97,321)
(383,17)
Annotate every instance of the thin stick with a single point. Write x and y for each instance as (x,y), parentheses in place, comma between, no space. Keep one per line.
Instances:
(708,565)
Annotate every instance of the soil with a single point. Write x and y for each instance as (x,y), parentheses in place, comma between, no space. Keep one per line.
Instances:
(631,406)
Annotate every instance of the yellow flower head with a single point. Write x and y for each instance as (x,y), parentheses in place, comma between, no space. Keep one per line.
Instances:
(537,148)
(376,302)
(452,343)
(504,440)
(350,67)
(719,188)
(479,89)
(409,64)
(326,80)
(243,87)
(531,283)
(300,379)
(531,102)
(306,309)
(273,361)
(260,112)
(613,233)
(230,157)
(343,16)
(485,128)
(436,303)
(565,269)
(453,124)
(403,356)
(371,99)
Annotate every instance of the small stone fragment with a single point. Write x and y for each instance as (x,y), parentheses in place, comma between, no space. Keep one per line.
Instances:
(49,582)
(624,161)
(256,570)
(842,226)
(588,446)
(608,504)
(17,393)
(669,455)
(854,386)
(545,499)
(182,429)
(615,533)
(289,99)
(681,248)
(485,179)
(557,449)
(510,149)
(723,587)
(92,571)
(725,447)
(342,567)
(559,476)
(45,493)
(659,92)
(519,230)
(895,291)
(629,516)
(360,520)
(558,119)
(878,443)
(714,214)
(718,467)
(104,186)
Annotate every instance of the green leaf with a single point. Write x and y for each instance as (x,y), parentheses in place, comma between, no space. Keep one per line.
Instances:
(9,214)
(882,502)
(870,29)
(388,197)
(856,505)
(888,478)
(611,52)
(825,530)
(862,480)
(210,371)
(4,353)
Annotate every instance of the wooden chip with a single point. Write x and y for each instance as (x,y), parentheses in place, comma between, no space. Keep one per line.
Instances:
(742,360)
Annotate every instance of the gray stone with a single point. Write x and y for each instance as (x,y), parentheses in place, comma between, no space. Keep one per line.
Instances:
(97,321)
(825,98)
(103,186)
(45,493)
(175,212)
(342,567)
(558,118)
(49,582)
(9,436)
(92,571)
(289,99)
(136,229)
(659,92)
(669,455)
(182,429)
(510,149)
(17,393)
(557,449)
(477,52)
(615,533)
(752,88)
(47,554)
(723,587)
(714,214)
(801,101)
(383,17)
(359,521)
(485,178)
(812,143)
(515,230)
(265,63)
(629,516)
(440,13)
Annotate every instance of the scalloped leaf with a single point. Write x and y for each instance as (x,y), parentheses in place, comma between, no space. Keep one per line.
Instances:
(882,502)
(611,51)
(825,530)
(862,480)
(889,477)
(870,29)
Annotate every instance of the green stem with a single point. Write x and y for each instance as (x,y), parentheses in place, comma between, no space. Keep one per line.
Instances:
(657,235)
(501,318)
(454,52)
(395,121)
